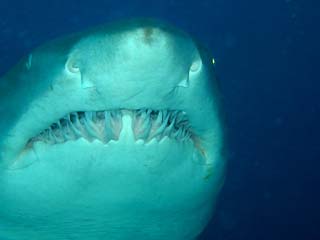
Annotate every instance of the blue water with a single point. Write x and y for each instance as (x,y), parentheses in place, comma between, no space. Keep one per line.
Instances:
(267,59)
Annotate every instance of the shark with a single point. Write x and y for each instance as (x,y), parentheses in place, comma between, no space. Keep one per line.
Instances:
(112,133)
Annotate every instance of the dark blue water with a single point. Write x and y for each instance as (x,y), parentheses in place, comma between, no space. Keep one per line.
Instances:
(267,55)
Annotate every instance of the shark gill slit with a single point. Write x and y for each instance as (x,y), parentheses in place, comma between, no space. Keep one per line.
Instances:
(105,126)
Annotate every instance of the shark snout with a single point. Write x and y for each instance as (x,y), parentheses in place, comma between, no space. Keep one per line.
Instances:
(144,54)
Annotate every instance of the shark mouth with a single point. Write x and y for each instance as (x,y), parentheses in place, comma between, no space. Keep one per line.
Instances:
(107,125)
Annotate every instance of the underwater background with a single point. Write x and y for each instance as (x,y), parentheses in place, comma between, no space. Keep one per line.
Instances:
(267,61)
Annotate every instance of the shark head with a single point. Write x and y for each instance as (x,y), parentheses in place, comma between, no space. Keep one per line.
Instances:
(113,133)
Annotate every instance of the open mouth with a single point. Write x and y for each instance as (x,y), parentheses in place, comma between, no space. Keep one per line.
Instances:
(107,125)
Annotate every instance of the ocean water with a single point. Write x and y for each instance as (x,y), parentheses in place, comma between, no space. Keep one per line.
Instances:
(267,61)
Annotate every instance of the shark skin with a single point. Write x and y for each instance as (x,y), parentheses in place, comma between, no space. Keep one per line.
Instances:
(112,133)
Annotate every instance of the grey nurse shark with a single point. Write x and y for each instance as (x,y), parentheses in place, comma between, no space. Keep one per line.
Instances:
(113,133)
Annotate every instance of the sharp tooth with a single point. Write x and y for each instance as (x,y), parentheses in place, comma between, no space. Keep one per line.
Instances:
(177,134)
(157,127)
(73,117)
(168,130)
(160,124)
(52,135)
(63,122)
(67,118)
(46,137)
(57,132)
(70,134)
(64,129)
(174,116)
(159,130)
(141,124)
(116,123)
(58,125)
(139,111)
(89,126)
(116,114)
(75,124)
(159,118)
(145,128)
(170,126)
(88,116)
(81,120)
(148,112)
(113,124)
(165,117)
(108,128)
(143,115)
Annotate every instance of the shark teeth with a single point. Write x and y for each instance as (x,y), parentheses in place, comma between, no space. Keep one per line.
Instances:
(146,125)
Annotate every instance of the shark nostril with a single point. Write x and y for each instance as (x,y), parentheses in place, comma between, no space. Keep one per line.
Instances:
(72,66)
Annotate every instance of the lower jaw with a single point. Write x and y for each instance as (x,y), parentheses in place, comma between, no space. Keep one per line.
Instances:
(110,187)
